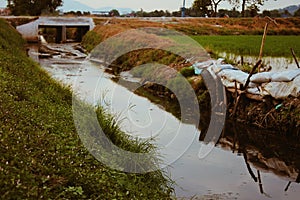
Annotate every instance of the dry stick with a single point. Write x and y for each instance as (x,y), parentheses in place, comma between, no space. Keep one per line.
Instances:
(251,73)
(236,98)
(263,41)
(235,91)
(294,55)
(244,88)
(269,113)
(235,106)
(263,44)
(264,38)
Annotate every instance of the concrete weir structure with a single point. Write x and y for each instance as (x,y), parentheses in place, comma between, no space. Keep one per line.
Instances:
(32,30)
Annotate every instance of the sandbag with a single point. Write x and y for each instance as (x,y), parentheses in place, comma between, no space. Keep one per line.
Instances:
(217,68)
(285,76)
(296,83)
(234,75)
(229,84)
(280,90)
(257,91)
(263,77)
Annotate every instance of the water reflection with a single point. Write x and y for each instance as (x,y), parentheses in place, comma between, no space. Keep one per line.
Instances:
(264,150)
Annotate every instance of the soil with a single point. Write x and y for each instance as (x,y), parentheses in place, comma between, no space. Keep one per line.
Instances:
(280,115)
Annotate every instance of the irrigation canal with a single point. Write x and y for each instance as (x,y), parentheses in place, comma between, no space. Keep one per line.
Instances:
(246,163)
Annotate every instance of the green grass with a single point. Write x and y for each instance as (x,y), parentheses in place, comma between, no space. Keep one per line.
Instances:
(41,153)
(91,40)
(278,46)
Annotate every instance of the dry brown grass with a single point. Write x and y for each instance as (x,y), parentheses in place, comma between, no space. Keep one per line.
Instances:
(201,26)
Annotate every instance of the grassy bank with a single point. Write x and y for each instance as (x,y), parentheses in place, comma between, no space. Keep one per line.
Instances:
(277,46)
(41,153)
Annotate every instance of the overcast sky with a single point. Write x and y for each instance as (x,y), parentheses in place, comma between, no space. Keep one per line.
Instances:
(171,5)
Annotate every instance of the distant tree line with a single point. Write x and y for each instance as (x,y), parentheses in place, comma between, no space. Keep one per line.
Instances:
(192,12)
(33,7)
(200,8)
(112,13)
(209,8)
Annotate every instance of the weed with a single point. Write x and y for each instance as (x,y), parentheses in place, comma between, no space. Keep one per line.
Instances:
(187,71)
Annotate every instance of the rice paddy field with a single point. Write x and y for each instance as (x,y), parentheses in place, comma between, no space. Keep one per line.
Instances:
(277,46)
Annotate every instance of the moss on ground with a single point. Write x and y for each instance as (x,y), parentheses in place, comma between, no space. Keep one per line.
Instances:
(41,153)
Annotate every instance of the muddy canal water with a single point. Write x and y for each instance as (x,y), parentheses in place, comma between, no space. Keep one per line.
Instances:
(246,163)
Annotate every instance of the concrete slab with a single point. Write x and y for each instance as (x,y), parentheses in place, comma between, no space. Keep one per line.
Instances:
(30,31)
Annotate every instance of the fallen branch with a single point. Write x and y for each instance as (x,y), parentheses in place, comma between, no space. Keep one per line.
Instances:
(294,55)
(251,73)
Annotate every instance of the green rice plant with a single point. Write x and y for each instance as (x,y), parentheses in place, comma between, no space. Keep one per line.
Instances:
(277,46)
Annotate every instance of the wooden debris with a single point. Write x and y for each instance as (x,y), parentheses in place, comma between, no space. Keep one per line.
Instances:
(295,58)
(251,73)
(264,38)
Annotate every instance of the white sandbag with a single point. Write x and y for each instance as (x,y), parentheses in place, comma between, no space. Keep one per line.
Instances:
(215,67)
(296,83)
(279,90)
(202,65)
(285,76)
(263,77)
(253,85)
(227,66)
(257,91)
(229,84)
(234,75)
(220,61)
(219,67)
